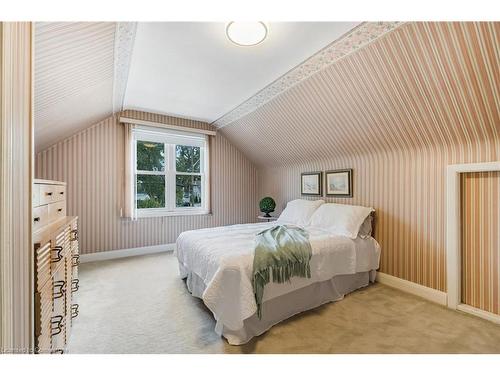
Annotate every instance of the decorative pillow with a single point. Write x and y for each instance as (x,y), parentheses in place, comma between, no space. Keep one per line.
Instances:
(299,212)
(341,219)
(365,230)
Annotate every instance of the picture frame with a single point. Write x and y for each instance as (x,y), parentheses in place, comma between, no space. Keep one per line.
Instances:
(311,183)
(338,183)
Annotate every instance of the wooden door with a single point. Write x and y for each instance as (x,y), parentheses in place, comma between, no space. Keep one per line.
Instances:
(480,240)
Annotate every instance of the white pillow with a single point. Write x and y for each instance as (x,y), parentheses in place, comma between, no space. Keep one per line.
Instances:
(341,219)
(299,212)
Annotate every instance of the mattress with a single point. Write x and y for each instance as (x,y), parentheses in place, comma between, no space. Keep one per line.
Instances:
(218,262)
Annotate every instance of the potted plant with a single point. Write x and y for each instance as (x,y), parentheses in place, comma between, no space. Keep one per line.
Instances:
(267,205)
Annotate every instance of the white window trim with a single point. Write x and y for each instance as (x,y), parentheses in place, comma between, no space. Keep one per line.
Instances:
(143,133)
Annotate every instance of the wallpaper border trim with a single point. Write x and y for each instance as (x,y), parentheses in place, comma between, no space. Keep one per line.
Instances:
(124,46)
(350,42)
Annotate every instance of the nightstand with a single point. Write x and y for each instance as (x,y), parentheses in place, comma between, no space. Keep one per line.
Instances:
(267,218)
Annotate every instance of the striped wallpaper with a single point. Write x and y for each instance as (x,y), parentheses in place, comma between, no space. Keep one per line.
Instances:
(480,194)
(397,111)
(92,163)
(422,85)
(407,189)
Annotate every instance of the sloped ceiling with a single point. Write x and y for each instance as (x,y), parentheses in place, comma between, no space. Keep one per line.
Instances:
(421,85)
(73,77)
(80,70)
(84,71)
(381,86)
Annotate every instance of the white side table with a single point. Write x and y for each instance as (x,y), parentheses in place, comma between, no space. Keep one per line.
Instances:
(267,218)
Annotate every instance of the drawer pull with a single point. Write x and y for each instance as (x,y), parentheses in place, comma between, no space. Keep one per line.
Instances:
(56,325)
(59,210)
(62,192)
(75,260)
(36,219)
(58,250)
(74,310)
(74,285)
(74,235)
(49,193)
(59,285)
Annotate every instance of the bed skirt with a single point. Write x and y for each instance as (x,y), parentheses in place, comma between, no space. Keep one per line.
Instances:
(285,306)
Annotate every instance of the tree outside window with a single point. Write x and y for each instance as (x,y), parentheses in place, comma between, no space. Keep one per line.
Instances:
(188,177)
(150,186)
(170,175)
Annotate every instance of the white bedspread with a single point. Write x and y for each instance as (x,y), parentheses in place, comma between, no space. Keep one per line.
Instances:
(222,257)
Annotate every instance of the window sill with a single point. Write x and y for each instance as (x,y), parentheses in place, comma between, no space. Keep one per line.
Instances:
(161,213)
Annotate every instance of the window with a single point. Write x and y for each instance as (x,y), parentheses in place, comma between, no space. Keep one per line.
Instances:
(171,172)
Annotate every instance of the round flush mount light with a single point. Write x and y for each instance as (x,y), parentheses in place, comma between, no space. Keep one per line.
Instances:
(246,33)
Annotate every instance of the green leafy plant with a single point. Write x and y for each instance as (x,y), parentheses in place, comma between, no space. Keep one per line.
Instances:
(267,205)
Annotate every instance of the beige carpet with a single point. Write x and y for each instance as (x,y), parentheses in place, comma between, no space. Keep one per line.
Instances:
(139,305)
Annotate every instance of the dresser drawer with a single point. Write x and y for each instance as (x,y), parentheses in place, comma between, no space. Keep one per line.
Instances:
(58,333)
(47,193)
(61,249)
(59,321)
(60,290)
(60,193)
(40,217)
(43,316)
(57,210)
(43,266)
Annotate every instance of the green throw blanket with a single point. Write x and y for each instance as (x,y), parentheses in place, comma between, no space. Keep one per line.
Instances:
(283,251)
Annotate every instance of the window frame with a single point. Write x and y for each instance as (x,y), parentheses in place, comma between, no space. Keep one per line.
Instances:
(168,138)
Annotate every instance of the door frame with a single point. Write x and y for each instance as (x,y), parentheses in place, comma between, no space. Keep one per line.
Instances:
(453,238)
(16,177)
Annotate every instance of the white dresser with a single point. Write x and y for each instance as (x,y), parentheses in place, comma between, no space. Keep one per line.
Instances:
(55,238)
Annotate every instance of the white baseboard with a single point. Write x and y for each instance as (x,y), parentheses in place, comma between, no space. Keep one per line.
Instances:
(480,313)
(430,294)
(114,254)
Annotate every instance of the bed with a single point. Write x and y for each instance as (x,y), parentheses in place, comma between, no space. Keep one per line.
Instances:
(217,266)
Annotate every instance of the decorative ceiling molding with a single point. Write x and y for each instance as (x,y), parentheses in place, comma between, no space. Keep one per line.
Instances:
(124,44)
(358,38)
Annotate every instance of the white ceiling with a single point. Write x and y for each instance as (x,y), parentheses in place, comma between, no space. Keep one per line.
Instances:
(192,70)
(85,71)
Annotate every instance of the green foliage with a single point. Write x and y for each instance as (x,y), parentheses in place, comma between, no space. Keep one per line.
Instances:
(151,189)
(188,191)
(267,205)
(150,156)
(187,188)
(149,203)
(187,159)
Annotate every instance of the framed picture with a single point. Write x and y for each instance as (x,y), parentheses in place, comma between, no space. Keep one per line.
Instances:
(339,183)
(310,183)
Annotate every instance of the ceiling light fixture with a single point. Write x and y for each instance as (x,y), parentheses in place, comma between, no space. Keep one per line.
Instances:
(246,33)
